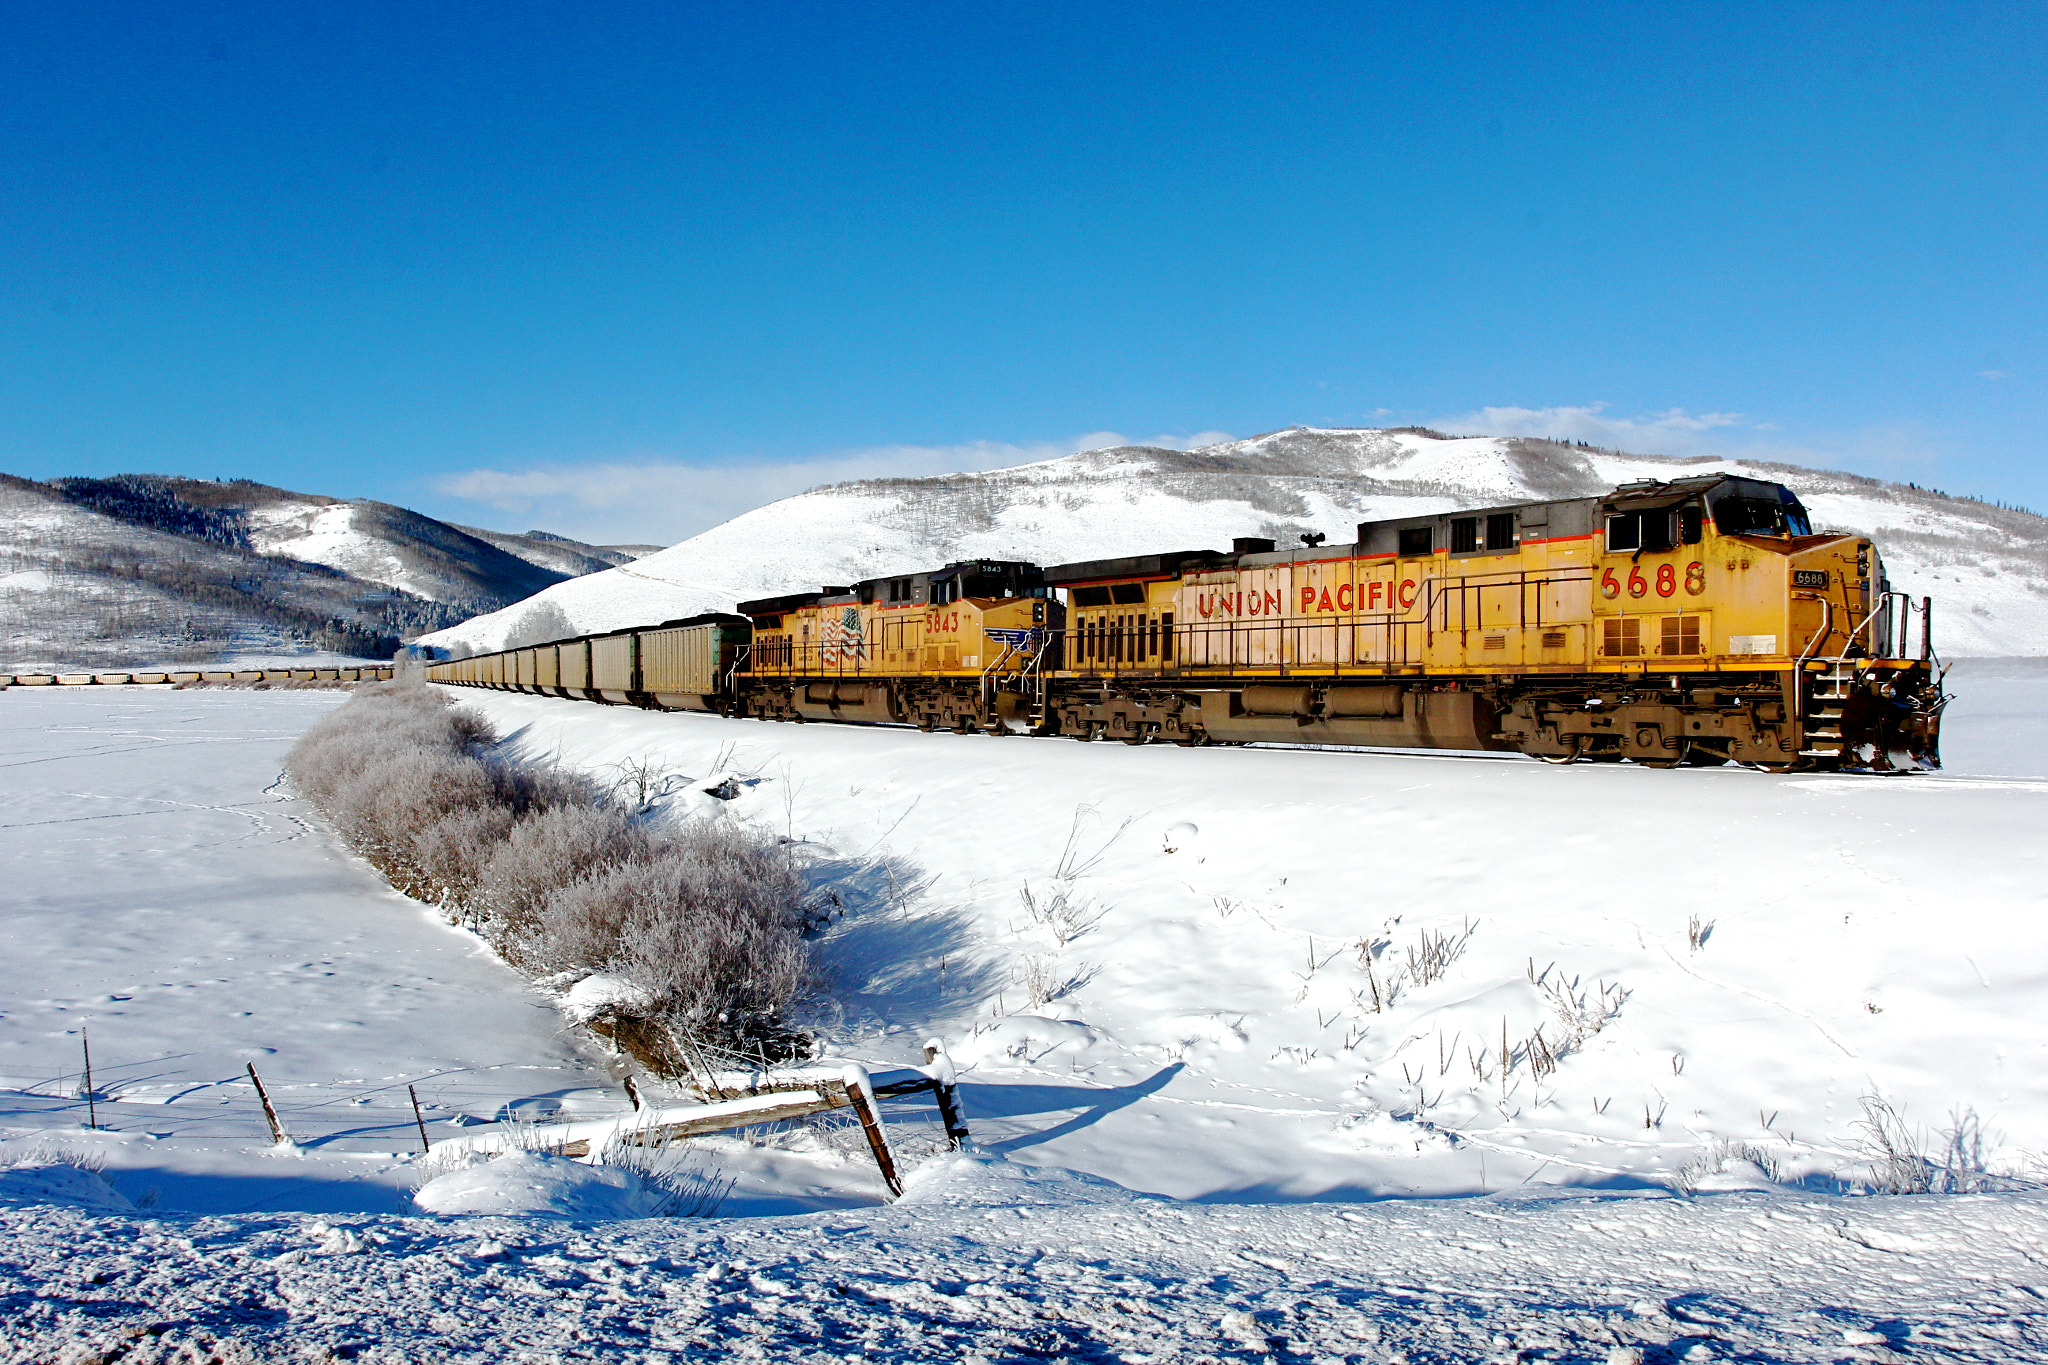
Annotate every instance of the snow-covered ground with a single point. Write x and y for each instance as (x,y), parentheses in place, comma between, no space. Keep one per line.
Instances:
(1203,1145)
(164,895)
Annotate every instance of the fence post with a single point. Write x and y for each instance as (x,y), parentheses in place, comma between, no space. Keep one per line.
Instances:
(856,1091)
(277,1132)
(425,1146)
(92,1112)
(948,1095)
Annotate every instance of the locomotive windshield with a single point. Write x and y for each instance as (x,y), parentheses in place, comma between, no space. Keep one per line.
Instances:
(1744,507)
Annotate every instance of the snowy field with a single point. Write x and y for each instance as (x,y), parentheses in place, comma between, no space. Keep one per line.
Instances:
(1187,1021)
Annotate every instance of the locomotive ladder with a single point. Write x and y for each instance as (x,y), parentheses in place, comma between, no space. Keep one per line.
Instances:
(1028,675)
(1820,711)
(1824,713)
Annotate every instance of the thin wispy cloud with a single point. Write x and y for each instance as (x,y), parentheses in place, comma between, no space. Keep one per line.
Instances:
(659,501)
(1884,451)
(1674,431)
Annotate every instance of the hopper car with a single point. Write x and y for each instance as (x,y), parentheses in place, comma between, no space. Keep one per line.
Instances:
(1696,622)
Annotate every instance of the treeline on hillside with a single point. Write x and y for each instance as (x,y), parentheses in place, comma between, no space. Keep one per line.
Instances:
(146,501)
(683,938)
(243,594)
(183,585)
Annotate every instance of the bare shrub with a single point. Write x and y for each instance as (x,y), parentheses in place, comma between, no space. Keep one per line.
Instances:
(1060,912)
(1902,1161)
(1582,1012)
(1035,974)
(673,1171)
(1045,980)
(1433,955)
(640,782)
(384,810)
(1895,1153)
(455,855)
(1715,1157)
(708,920)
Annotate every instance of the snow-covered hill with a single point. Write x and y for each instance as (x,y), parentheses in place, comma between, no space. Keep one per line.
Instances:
(142,569)
(563,555)
(1987,567)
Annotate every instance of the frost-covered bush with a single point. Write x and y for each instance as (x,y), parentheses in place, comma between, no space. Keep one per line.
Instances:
(547,851)
(706,920)
(705,925)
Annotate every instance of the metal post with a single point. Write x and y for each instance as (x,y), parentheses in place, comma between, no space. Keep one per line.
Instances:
(92,1113)
(1926,629)
(416,1118)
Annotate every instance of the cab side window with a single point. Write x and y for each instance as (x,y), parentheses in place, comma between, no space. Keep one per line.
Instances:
(1632,532)
(1624,533)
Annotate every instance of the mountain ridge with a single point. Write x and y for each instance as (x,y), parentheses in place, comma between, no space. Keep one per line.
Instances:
(1985,565)
(134,569)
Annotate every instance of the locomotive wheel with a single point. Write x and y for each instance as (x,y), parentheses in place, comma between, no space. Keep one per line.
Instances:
(1683,756)
(1703,757)
(1571,755)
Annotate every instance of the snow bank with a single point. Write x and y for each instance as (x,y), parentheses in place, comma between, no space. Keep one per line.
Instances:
(536,1185)
(61,1184)
(602,995)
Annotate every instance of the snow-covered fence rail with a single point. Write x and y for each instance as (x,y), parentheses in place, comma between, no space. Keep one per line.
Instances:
(935,1077)
(794,1098)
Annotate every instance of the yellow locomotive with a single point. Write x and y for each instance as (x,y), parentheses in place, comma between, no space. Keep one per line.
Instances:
(1697,621)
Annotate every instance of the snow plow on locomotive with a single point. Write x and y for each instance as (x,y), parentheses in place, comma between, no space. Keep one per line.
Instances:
(1700,621)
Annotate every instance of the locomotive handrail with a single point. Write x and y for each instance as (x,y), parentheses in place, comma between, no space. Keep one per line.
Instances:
(1204,647)
(1819,637)
(1884,600)
(732,675)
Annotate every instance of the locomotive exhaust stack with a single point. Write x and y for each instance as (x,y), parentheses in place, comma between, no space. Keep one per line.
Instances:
(1695,622)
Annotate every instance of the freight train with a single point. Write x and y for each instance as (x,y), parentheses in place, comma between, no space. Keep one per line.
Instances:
(1699,622)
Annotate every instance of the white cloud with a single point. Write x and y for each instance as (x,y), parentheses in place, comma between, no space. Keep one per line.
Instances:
(1673,431)
(1995,374)
(660,502)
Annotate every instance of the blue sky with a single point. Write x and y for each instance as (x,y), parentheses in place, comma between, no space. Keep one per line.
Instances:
(622,269)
